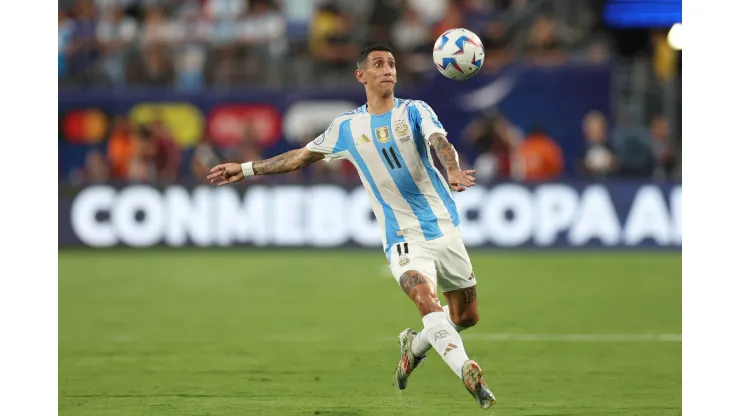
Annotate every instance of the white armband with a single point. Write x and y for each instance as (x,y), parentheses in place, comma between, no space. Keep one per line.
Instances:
(247,169)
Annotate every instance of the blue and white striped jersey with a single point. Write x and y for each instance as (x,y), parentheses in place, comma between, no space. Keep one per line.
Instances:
(391,152)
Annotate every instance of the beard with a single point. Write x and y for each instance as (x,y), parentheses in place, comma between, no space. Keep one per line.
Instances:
(386,91)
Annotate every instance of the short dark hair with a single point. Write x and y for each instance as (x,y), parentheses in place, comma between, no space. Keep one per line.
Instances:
(362,57)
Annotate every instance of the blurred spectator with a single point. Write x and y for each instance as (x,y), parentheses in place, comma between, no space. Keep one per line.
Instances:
(597,156)
(432,11)
(141,168)
(191,34)
(121,148)
(205,156)
(298,10)
(493,139)
(116,34)
(410,32)
(384,15)
(220,10)
(223,69)
(508,5)
(664,57)
(248,148)
(223,14)
(538,158)
(262,32)
(164,152)
(107,6)
(666,160)
(597,52)
(543,45)
(156,70)
(452,19)
(413,41)
(83,45)
(331,41)
(66,28)
(156,30)
(496,41)
(633,146)
(476,14)
(95,169)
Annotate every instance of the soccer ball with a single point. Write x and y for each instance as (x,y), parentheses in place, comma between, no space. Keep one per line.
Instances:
(458,54)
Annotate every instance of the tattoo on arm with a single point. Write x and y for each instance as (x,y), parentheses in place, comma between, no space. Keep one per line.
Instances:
(411,279)
(445,152)
(286,162)
(469,294)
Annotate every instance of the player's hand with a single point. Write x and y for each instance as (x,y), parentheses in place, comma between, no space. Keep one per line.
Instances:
(226,174)
(461,179)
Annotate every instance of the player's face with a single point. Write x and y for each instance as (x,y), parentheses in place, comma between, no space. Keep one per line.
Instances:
(379,73)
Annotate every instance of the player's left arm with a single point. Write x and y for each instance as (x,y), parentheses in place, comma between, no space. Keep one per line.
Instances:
(459,179)
(445,152)
(436,135)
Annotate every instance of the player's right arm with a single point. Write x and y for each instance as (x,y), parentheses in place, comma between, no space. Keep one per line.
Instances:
(321,147)
(227,173)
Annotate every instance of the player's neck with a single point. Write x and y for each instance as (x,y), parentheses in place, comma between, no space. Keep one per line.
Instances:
(380,105)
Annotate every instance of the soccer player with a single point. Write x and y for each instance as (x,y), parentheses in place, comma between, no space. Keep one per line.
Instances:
(388,140)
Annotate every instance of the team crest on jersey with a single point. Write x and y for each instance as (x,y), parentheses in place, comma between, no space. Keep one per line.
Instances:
(383,134)
(317,141)
(403,260)
(400,127)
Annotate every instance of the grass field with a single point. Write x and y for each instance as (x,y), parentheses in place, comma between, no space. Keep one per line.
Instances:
(191,332)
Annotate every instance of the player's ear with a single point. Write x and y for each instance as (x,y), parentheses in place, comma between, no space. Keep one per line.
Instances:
(360,76)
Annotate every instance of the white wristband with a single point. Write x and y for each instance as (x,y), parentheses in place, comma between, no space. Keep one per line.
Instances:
(247,169)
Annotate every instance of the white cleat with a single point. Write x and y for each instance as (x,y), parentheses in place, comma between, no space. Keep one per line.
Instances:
(472,377)
(408,361)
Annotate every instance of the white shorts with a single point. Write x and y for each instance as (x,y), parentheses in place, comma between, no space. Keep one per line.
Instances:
(443,260)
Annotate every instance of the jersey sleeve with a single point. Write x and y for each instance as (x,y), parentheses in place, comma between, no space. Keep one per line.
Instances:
(428,120)
(327,143)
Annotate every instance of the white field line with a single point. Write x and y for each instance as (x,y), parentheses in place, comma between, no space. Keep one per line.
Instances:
(504,337)
(573,337)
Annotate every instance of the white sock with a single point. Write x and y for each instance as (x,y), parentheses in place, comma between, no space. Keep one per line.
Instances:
(445,340)
(421,344)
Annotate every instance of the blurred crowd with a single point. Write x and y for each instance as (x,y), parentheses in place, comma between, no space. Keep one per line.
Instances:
(192,44)
(492,145)
(500,150)
(211,44)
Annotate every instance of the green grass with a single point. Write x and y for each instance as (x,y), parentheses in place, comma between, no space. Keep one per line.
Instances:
(191,332)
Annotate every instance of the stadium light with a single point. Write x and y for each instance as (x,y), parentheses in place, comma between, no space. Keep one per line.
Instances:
(675,37)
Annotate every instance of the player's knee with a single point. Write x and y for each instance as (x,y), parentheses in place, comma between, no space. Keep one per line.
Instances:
(467,318)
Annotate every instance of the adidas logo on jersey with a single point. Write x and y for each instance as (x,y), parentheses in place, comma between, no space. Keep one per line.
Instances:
(362,139)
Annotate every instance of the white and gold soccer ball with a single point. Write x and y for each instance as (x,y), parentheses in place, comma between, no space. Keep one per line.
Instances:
(458,54)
